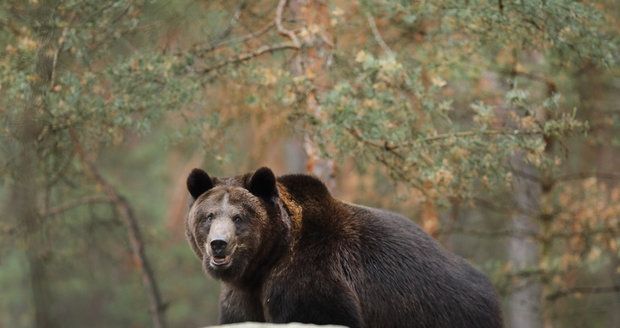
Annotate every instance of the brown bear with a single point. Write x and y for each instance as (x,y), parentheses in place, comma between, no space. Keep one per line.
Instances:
(287,251)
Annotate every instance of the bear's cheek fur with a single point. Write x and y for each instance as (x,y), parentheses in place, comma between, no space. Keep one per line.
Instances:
(200,233)
(249,236)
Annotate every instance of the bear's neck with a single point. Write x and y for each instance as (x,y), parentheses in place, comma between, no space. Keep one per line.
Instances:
(280,238)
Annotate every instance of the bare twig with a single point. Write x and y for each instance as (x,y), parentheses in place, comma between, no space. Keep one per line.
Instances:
(251,35)
(384,145)
(377,35)
(583,290)
(551,86)
(491,234)
(127,216)
(56,176)
(235,18)
(281,29)
(586,175)
(240,39)
(249,55)
(480,133)
(529,273)
(585,234)
(76,203)
(396,171)
(61,43)
(226,32)
(398,174)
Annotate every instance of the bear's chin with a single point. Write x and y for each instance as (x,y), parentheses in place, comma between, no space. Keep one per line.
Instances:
(223,269)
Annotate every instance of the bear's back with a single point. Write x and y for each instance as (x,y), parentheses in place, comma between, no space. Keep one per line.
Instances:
(409,280)
(400,275)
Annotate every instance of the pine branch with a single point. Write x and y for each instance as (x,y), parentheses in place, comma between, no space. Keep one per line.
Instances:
(478,133)
(249,55)
(463,134)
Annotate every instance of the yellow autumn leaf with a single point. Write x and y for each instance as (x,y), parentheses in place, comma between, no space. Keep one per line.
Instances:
(361,56)
(438,81)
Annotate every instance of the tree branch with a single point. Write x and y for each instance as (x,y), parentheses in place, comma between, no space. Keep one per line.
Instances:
(479,133)
(76,203)
(281,29)
(491,234)
(218,40)
(589,233)
(463,134)
(383,145)
(583,290)
(377,35)
(127,216)
(61,43)
(551,86)
(233,20)
(202,52)
(249,55)
(586,175)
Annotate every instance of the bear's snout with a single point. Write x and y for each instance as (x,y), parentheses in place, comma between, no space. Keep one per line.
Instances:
(218,246)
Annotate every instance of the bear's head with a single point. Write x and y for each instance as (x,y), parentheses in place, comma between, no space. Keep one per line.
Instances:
(235,225)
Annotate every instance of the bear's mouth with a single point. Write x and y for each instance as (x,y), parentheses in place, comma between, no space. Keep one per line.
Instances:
(220,261)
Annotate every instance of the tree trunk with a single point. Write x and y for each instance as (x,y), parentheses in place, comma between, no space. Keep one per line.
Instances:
(525,301)
(313,61)
(25,195)
(532,190)
(26,189)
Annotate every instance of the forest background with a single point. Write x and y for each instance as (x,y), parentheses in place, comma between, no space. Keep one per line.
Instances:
(494,125)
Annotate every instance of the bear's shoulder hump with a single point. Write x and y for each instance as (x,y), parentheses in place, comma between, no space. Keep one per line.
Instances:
(303,186)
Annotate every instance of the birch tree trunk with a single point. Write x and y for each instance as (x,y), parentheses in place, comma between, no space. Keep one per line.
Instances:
(531,190)
(525,305)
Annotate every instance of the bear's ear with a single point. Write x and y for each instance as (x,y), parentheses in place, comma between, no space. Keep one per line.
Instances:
(263,184)
(198,182)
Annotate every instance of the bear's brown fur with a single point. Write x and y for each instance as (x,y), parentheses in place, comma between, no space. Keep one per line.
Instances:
(287,251)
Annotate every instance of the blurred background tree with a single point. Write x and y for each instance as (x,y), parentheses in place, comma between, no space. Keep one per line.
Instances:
(494,125)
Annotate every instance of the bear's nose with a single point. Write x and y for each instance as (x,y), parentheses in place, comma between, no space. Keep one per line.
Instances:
(218,246)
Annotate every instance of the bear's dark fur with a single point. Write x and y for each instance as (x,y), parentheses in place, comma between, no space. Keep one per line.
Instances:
(287,251)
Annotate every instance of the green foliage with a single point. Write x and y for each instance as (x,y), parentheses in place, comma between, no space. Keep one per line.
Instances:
(460,29)
(67,75)
(100,101)
(385,113)
(463,89)
(410,114)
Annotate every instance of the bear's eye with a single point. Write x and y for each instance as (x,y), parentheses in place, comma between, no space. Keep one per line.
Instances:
(209,217)
(237,218)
